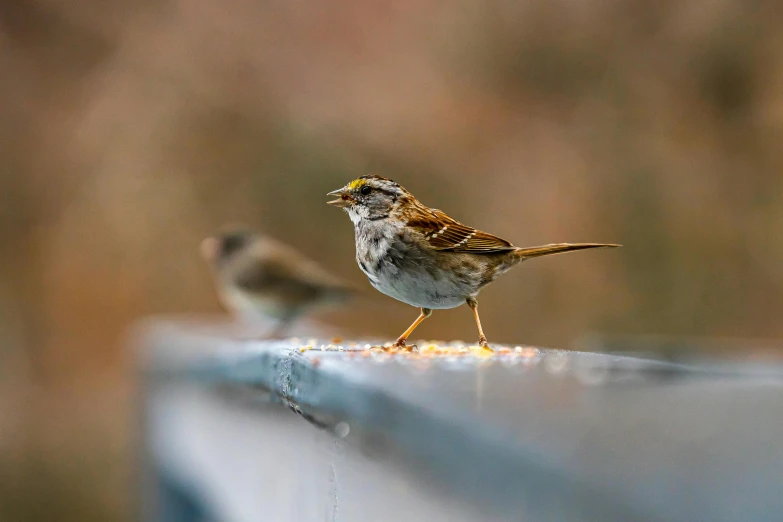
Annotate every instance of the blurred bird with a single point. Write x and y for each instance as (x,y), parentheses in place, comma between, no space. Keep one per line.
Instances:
(421,256)
(257,276)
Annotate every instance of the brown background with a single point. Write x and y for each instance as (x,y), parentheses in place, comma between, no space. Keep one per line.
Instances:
(130,130)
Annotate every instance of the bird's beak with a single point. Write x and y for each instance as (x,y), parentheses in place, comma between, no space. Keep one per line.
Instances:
(343,198)
(209,248)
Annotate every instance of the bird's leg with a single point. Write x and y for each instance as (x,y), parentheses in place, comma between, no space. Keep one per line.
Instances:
(425,313)
(473,304)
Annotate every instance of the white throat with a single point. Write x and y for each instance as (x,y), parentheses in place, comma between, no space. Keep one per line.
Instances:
(357,213)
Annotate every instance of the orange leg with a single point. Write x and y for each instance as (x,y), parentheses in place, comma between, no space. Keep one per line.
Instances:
(473,304)
(425,313)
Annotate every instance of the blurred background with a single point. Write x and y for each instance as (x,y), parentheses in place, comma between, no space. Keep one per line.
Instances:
(131,130)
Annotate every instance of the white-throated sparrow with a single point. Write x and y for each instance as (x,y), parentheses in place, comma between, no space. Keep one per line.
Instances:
(258,276)
(421,256)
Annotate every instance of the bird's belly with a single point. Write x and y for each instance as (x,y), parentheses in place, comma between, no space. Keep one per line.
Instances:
(420,285)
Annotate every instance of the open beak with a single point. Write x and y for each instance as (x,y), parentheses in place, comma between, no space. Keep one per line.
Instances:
(343,198)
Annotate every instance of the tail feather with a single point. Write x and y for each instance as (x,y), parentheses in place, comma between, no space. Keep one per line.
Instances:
(557,248)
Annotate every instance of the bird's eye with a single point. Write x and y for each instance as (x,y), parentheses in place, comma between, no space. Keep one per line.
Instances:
(365,190)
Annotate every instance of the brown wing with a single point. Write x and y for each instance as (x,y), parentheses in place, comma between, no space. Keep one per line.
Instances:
(445,233)
(271,267)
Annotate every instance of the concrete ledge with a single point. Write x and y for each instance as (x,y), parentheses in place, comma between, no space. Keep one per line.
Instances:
(531,434)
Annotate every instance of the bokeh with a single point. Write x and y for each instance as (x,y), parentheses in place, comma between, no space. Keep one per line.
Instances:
(131,130)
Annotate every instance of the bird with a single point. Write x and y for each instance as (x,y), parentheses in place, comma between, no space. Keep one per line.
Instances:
(259,277)
(423,257)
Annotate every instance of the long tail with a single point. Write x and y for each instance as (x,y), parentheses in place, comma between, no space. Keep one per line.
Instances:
(557,248)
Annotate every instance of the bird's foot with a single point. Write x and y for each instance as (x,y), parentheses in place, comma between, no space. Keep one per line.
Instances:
(400,345)
(484,344)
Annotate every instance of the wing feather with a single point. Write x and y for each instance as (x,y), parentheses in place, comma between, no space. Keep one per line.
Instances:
(446,233)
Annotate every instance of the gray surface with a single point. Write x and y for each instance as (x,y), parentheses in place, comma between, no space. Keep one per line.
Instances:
(265,464)
(560,436)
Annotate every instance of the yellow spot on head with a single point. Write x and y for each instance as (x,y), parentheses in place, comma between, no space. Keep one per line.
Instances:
(355,184)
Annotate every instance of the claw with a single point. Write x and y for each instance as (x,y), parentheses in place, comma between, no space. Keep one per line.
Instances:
(400,345)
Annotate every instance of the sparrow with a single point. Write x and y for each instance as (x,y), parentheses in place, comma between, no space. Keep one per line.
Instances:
(423,257)
(257,276)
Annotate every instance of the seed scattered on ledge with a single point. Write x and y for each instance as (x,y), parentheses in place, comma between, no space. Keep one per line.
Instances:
(432,349)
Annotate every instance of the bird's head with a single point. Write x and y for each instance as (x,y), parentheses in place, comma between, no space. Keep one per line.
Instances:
(369,197)
(225,244)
